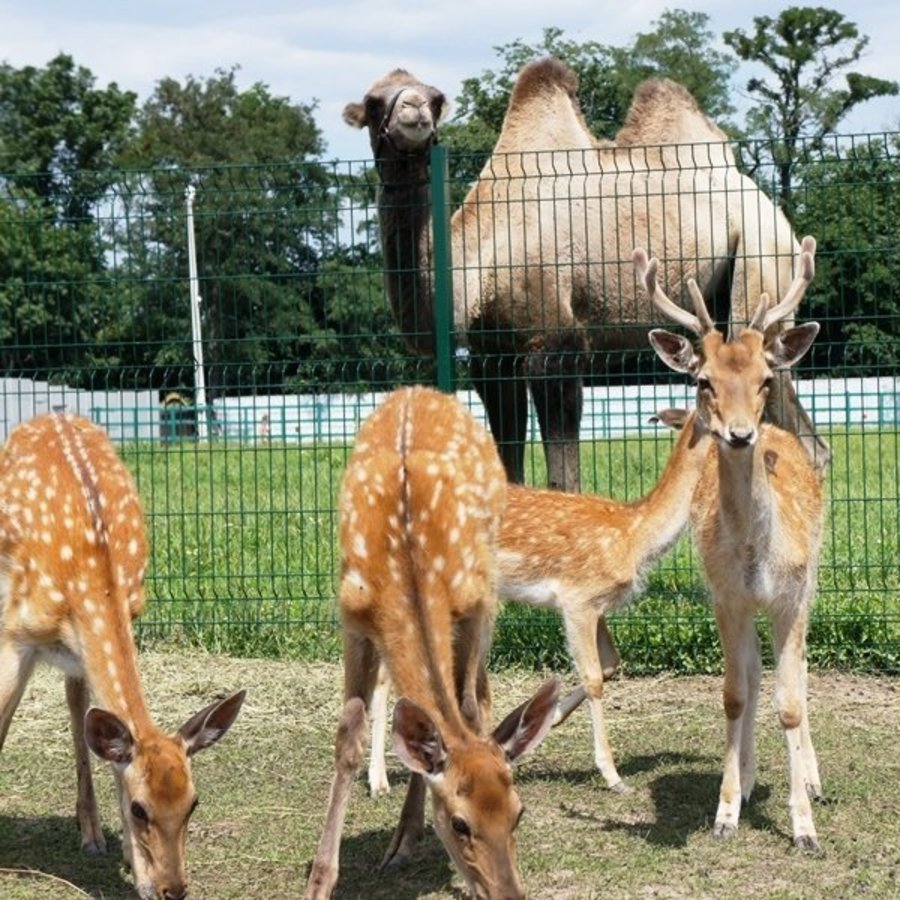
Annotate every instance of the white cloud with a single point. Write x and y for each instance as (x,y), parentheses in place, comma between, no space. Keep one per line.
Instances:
(332,52)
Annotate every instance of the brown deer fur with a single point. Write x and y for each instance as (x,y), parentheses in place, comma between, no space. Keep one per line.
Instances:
(72,560)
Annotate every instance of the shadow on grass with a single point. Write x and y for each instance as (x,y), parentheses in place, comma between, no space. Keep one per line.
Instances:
(51,845)
(429,870)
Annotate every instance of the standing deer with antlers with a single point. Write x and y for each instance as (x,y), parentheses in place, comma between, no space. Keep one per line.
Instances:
(72,559)
(420,509)
(757,521)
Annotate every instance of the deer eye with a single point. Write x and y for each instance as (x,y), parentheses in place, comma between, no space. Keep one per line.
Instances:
(193,806)
(139,813)
(461,826)
(766,386)
(705,385)
(519,818)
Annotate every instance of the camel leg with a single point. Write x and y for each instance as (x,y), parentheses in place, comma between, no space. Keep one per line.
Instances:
(500,384)
(784,409)
(378,780)
(92,840)
(581,626)
(789,633)
(740,647)
(555,378)
(360,674)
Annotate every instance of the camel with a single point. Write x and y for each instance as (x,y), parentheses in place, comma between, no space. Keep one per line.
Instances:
(541,245)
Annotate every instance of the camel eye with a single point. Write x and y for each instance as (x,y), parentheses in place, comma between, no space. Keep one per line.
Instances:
(139,813)
(461,826)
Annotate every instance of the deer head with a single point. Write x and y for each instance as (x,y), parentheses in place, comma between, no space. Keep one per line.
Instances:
(476,807)
(733,377)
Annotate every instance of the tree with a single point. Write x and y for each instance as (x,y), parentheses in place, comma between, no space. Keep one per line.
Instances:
(679,46)
(58,136)
(804,50)
(265,215)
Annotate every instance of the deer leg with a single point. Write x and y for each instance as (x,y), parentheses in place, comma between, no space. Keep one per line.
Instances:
(472,641)
(555,378)
(581,628)
(361,667)
(16,666)
(740,647)
(790,701)
(378,780)
(410,827)
(92,839)
(784,409)
(499,382)
(609,654)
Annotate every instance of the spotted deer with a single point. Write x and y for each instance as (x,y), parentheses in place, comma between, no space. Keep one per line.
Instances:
(757,518)
(73,554)
(584,555)
(420,509)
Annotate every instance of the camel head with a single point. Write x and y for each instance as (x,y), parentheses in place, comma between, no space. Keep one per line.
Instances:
(401,113)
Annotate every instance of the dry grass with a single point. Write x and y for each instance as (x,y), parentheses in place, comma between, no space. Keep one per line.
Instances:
(264,788)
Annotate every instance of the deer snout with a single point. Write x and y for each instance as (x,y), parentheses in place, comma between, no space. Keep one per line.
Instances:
(741,435)
(175,892)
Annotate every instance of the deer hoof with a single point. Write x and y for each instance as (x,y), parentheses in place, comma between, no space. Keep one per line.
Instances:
(621,787)
(724,830)
(807,843)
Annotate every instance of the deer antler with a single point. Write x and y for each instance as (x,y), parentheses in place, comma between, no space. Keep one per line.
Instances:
(646,270)
(805,274)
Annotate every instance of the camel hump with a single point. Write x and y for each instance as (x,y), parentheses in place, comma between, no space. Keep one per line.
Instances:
(665,112)
(542,76)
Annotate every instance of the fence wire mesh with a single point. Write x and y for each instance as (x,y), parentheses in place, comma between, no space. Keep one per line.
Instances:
(533,284)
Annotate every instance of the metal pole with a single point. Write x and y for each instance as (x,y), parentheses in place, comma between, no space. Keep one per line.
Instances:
(443,270)
(196,335)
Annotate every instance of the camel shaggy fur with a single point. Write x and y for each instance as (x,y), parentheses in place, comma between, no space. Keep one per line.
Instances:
(541,246)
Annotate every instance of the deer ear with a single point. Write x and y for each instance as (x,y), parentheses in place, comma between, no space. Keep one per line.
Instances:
(675,351)
(108,736)
(671,418)
(527,725)
(787,347)
(207,726)
(417,740)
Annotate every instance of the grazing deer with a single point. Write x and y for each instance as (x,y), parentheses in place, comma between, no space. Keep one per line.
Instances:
(584,555)
(757,521)
(420,509)
(72,559)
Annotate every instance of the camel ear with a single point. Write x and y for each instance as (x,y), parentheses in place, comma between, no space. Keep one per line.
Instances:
(528,724)
(417,740)
(355,115)
(108,736)
(204,728)
(787,347)
(675,351)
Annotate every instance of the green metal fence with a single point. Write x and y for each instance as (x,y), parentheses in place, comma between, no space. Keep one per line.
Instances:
(300,341)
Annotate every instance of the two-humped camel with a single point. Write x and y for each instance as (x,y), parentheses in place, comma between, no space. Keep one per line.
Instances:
(541,246)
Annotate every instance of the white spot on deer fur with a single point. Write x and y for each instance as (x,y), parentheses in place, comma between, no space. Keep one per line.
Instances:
(45,581)
(359,546)
(439,563)
(56,596)
(89,605)
(107,648)
(28,515)
(92,562)
(46,537)
(457,579)
(90,535)
(133,547)
(453,536)
(65,552)
(436,495)
(111,668)
(354,577)
(99,624)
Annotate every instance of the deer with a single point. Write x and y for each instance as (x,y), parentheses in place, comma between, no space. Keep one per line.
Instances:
(583,555)
(73,555)
(756,517)
(420,507)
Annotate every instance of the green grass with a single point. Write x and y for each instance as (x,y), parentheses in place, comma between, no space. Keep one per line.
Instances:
(264,787)
(244,557)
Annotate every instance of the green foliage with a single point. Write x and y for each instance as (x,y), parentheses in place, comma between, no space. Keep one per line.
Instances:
(804,50)
(850,199)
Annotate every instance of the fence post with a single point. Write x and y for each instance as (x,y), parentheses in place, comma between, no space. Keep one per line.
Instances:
(443,274)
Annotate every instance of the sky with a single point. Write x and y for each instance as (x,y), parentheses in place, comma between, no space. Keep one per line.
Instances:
(331,51)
